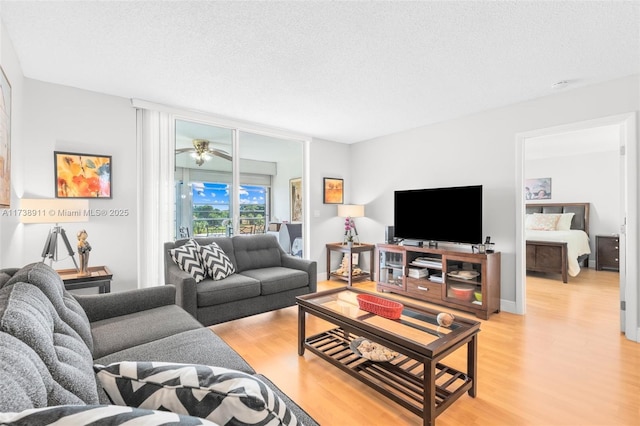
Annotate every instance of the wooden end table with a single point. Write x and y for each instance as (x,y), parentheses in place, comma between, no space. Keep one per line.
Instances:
(355,248)
(99,276)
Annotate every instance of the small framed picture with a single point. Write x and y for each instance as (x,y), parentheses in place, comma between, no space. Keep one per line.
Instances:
(295,199)
(333,190)
(537,189)
(355,258)
(82,175)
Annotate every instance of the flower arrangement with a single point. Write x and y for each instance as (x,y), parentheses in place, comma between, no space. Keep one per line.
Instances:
(350,231)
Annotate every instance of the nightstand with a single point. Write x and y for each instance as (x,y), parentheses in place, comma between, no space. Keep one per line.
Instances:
(607,252)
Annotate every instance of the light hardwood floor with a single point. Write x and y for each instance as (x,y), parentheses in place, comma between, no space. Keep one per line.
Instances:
(563,363)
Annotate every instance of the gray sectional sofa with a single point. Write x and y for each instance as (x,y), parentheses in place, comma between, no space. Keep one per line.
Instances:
(51,340)
(266,278)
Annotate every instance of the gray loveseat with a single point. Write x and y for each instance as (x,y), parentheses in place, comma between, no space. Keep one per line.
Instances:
(265,279)
(51,339)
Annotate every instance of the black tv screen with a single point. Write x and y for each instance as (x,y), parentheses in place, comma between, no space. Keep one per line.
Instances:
(439,214)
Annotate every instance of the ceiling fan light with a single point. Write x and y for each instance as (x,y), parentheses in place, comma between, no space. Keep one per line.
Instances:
(201,152)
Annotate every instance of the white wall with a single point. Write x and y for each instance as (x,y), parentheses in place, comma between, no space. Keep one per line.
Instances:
(287,169)
(592,178)
(328,159)
(59,118)
(477,149)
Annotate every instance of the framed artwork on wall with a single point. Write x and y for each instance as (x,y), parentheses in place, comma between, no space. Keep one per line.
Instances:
(82,175)
(537,189)
(295,199)
(5,141)
(333,191)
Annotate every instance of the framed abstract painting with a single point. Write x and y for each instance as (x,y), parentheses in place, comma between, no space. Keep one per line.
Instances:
(82,175)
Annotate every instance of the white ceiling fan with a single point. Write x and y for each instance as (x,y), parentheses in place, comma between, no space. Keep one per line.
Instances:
(201,151)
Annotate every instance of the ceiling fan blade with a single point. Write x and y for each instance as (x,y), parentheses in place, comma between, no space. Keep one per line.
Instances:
(181,150)
(220,153)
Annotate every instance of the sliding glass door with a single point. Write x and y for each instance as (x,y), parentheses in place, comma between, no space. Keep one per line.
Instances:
(229,181)
(203,179)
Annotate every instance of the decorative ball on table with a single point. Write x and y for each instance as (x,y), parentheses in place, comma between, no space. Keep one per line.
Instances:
(83,251)
(445,319)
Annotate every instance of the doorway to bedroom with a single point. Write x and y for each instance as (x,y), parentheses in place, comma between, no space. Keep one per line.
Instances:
(591,162)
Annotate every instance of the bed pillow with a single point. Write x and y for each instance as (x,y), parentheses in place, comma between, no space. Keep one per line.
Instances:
(528,221)
(98,414)
(187,258)
(220,395)
(564,222)
(543,222)
(215,261)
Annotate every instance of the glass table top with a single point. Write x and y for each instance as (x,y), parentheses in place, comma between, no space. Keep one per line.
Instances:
(417,324)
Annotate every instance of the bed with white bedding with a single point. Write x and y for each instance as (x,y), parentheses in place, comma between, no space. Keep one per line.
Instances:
(557,237)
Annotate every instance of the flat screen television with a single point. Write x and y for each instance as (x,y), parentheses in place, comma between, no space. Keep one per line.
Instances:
(452,215)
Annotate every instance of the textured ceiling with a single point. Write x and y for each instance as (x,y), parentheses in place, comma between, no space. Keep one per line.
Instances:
(342,71)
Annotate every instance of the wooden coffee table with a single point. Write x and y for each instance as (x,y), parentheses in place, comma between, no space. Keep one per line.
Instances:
(415,379)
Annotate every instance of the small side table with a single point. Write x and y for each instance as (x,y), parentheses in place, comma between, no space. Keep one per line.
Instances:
(100,276)
(355,248)
(607,252)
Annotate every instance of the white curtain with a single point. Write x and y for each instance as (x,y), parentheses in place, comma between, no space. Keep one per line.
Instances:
(156,198)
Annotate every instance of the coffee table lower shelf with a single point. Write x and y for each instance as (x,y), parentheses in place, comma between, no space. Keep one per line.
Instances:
(402,379)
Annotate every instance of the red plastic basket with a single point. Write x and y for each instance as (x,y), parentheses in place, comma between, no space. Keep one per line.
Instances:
(379,306)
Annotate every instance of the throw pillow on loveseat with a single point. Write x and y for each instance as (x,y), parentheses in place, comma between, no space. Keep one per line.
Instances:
(202,261)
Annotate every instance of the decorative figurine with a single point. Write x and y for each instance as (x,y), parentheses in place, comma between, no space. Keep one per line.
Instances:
(344,268)
(83,252)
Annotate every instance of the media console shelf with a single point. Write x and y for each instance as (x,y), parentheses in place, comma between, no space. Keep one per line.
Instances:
(458,279)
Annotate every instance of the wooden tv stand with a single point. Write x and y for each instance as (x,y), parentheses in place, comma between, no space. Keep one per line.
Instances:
(456,278)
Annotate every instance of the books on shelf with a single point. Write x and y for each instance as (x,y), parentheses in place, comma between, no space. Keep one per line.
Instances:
(436,278)
(427,262)
(418,272)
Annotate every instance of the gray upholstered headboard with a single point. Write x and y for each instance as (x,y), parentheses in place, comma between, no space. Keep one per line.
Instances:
(580,218)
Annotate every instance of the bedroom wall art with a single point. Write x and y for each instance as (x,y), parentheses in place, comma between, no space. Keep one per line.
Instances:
(295,195)
(5,141)
(333,190)
(82,175)
(537,189)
